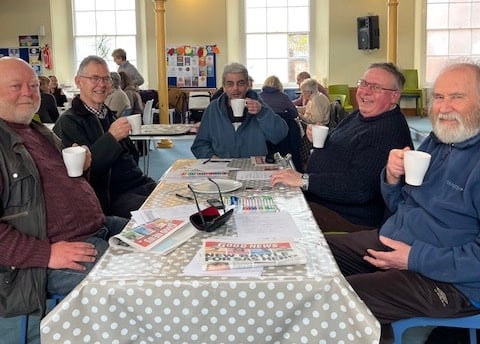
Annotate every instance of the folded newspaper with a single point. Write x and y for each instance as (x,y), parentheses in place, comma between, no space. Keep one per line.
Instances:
(228,253)
(160,235)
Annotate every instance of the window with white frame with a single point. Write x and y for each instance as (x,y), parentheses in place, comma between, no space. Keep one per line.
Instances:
(453,31)
(277,39)
(100,26)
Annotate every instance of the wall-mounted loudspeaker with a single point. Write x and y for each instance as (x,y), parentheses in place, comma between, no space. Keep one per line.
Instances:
(368,33)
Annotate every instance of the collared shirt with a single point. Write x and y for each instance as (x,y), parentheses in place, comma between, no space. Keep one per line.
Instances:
(100,114)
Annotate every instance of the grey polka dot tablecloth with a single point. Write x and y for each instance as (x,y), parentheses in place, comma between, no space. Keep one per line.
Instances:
(141,297)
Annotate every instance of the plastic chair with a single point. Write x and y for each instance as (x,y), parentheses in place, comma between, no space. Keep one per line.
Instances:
(341,89)
(197,103)
(54,300)
(411,90)
(148,113)
(471,322)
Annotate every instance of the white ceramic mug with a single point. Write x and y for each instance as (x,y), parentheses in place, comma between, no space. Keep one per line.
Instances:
(74,159)
(136,123)
(319,135)
(416,165)
(237,106)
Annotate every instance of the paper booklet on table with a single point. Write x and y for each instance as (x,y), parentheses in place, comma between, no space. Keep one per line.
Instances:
(160,235)
(233,253)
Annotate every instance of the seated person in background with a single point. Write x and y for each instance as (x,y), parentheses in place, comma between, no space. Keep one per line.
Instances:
(117,100)
(273,95)
(222,135)
(119,183)
(300,101)
(132,93)
(341,179)
(48,111)
(120,58)
(57,92)
(425,259)
(52,229)
(317,110)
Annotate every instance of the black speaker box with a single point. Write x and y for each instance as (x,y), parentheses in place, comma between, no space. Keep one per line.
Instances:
(368,33)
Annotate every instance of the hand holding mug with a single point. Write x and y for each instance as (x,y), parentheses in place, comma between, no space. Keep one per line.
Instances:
(253,106)
(120,129)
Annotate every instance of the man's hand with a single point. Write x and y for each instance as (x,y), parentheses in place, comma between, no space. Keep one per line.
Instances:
(395,170)
(253,106)
(396,259)
(68,255)
(120,129)
(287,177)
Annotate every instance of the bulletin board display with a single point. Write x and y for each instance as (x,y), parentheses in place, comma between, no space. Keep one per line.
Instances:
(192,66)
(31,55)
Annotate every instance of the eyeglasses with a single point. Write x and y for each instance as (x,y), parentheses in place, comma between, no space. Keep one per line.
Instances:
(106,80)
(209,218)
(374,87)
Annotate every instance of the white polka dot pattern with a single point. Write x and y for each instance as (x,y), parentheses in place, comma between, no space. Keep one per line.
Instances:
(145,298)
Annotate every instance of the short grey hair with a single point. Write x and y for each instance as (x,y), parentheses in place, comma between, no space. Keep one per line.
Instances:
(116,79)
(90,59)
(235,68)
(310,85)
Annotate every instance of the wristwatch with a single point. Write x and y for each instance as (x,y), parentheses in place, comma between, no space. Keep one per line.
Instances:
(305,181)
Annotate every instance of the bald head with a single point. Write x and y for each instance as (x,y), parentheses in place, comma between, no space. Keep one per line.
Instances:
(19,91)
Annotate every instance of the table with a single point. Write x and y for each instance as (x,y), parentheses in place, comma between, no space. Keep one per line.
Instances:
(145,298)
(149,132)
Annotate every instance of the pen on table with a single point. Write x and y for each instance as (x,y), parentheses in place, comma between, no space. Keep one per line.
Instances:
(206,161)
(184,197)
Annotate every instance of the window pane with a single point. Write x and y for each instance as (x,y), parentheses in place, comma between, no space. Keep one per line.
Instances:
(80,19)
(256,46)
(255,20)
(277,46)
(298,19)
(106,23)
(125,4)
(459,16)
(257,68)
(103,5)
(255,3)
(276,3)
(276,21)
(298,3)
(278,67)
(475,16)
(84,5)
(434,64)
(437,42)
(85,46)
(298,46)
(460,42)
(104,45)
(126,23)
(437,16)
(476,42)
(129,44)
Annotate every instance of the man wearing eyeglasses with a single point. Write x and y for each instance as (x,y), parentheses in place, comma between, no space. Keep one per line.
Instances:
(223,135)
(119,183)
(341,181)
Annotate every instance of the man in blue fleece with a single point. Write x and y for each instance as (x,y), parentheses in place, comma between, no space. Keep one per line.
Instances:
(425,259)
(224,136)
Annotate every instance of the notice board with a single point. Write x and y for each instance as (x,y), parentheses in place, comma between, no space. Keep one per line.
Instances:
(192,66)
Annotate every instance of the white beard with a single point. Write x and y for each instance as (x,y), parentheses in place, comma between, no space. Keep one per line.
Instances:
(468,126)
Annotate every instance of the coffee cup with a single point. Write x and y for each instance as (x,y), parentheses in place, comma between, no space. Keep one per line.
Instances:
(319,135)
(74,159)
(416,165)
(237,106)
(136,123)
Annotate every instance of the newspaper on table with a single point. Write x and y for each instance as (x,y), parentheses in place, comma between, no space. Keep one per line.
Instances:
(231,253)
(150,236)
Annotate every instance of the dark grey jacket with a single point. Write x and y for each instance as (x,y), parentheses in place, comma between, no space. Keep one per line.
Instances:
(22,291)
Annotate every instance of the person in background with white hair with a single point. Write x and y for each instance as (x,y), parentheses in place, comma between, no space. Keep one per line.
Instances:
(117,100)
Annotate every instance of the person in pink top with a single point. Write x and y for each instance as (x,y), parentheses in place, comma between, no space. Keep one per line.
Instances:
(52,228)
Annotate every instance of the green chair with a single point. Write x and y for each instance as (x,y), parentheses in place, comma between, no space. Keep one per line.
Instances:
(340,97)
(411,90)
(341,89)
